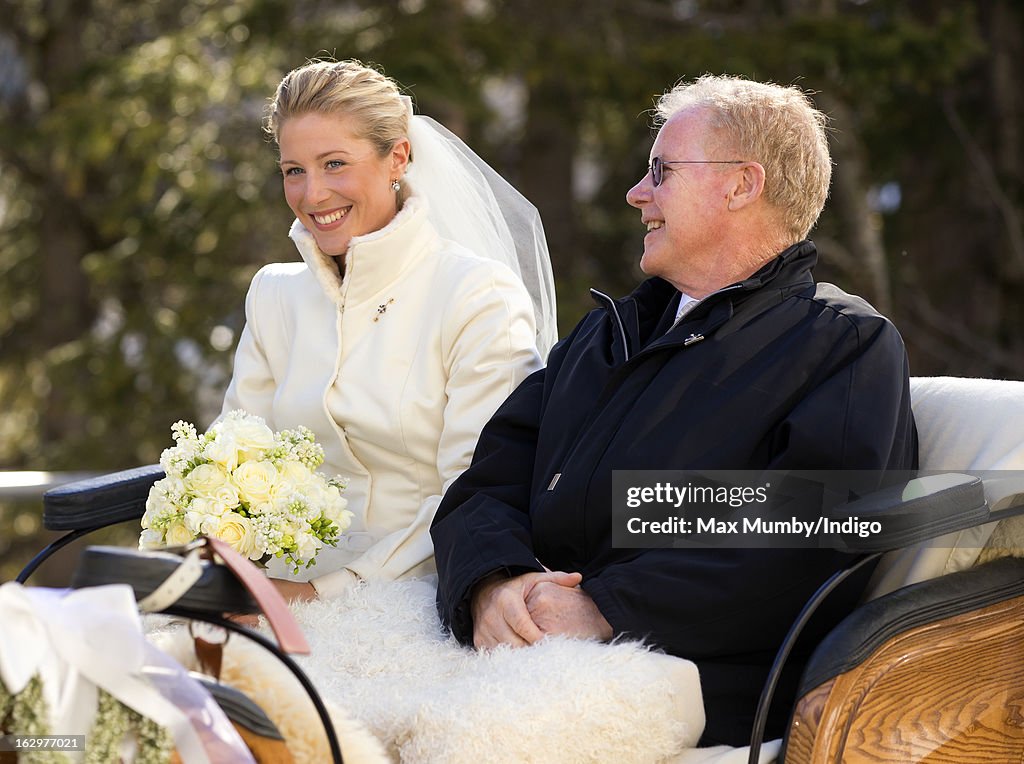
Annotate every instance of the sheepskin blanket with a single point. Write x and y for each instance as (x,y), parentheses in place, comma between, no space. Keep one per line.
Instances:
(399,689)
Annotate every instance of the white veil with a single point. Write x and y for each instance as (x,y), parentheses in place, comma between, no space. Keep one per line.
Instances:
(473,205)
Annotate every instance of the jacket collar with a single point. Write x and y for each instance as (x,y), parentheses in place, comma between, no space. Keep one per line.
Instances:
(374,261)
(643,309)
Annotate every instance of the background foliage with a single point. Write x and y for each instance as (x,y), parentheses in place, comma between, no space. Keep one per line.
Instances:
(138,194)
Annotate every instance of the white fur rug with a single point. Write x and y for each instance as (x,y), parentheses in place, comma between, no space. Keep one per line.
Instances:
(401,690)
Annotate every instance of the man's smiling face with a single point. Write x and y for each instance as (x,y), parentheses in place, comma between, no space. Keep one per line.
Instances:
(684,214)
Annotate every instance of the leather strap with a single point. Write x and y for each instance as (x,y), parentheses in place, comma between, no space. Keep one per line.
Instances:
(210,656)
(289,636)
(175,585)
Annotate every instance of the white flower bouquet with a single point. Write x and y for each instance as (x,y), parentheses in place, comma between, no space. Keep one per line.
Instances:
(253,488)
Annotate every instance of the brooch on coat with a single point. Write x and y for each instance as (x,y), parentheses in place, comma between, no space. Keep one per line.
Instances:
(382,308)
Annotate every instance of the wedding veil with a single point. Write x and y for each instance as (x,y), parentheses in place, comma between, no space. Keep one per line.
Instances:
(473,205)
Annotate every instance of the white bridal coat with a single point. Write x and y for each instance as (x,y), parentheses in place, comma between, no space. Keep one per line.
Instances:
(395,368)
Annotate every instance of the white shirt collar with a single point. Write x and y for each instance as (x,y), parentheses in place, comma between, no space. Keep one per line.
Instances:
(686,304)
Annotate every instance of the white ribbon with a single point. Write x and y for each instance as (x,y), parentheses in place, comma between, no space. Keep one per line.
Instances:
(78,641)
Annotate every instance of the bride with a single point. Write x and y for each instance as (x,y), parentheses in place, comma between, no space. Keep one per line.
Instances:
(424,297)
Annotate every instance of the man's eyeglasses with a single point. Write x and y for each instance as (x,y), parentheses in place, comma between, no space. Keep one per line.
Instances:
(657,167)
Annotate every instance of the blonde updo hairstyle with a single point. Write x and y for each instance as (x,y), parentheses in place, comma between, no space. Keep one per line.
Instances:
(776,126)
(349,88)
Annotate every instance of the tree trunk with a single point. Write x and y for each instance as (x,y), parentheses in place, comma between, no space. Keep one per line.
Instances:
(862,225)
(549,143)
(1007,42)
(65,309)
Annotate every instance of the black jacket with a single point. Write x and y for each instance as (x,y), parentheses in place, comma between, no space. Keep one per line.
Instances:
(775,372)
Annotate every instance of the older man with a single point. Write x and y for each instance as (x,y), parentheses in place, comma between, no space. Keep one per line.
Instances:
(728,357)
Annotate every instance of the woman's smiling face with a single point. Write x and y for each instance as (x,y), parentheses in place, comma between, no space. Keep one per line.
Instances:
(335,182)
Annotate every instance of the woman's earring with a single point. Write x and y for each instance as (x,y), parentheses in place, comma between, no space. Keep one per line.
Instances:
(396,186)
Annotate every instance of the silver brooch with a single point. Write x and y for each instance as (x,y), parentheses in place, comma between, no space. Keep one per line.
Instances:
(382,309)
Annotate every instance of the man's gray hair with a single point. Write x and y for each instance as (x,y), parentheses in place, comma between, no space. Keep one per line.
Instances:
(777,126)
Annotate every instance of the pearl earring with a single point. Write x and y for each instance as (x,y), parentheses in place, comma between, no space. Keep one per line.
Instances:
(396,186)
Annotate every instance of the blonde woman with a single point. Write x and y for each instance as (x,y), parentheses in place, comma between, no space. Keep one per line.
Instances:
(423,295)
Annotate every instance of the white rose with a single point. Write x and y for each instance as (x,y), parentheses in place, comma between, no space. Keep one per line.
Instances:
(151,539)
(261,508)
(312,492)
(205,480)
(223,450)
(255,481)
(225,498)
(296,473)
(236,530)
(203,506)
(209,525)
(178,534)
(294,483)
(307,545)
(252,438)
(193,520)
(337,510)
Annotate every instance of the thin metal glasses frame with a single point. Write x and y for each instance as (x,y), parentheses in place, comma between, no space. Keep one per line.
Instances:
(657,166)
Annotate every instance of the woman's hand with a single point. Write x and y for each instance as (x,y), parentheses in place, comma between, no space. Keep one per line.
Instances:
(294,591)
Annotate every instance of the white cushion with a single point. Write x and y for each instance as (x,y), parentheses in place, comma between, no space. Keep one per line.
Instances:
(969,425)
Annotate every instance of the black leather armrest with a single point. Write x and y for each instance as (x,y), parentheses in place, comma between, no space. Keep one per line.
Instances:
(918,510)
(217,590)
(99,501)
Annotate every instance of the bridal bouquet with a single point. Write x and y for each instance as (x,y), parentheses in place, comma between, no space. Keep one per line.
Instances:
(253,488)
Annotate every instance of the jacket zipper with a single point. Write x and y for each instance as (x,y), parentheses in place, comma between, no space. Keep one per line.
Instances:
(339,319)
(692,339)
(610,303)
(614,308)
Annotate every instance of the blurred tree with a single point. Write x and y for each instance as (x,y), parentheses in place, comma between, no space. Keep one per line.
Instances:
(138,195)
(135,188)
